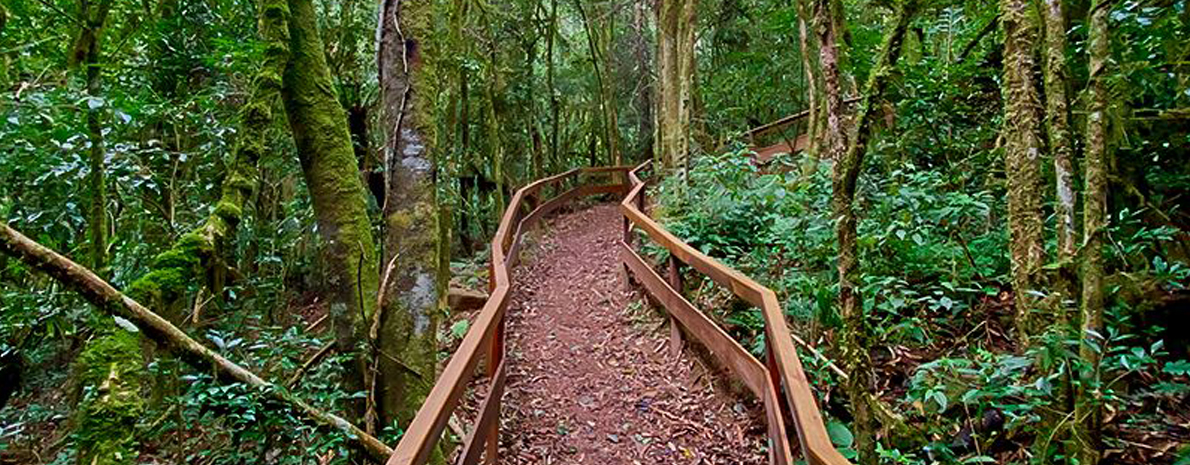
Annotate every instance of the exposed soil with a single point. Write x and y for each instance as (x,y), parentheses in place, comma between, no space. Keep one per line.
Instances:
(590,377)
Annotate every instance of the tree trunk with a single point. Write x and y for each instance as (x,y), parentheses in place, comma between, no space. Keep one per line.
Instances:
(675,81)
(555,106)
(811,78)
(1095,220)
(328,162)
(85,53)
(1022,156)
(856,331)
(113,364)
(1062,148)
(414,285)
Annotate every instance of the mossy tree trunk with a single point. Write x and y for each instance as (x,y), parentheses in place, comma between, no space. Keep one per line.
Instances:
(1022,156)
(194,257)
(1088,413)
(85,53)
(415,280)
(856,331)
(348,256)
(675,81)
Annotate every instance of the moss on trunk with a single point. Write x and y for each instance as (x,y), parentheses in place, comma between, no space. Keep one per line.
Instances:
(675,81)
(857,332)
(1022,157)
(415,283)
(1088,414)
(320,131)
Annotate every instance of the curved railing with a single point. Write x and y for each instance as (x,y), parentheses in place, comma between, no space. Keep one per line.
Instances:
(782,370)
(485,339)
(781,373)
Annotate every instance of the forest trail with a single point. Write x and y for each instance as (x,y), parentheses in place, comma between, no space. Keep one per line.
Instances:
(590,377)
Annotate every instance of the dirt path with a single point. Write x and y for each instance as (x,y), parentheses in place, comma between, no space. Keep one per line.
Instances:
(590,377)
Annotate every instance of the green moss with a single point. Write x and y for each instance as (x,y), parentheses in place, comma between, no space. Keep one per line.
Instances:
(228,211)
(111,369)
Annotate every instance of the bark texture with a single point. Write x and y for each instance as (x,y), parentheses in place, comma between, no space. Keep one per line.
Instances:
(1061,147)
(113,364)
(348,257)
(1022,156)
(675,81)
(856,331)
(1088,415)
(414,284)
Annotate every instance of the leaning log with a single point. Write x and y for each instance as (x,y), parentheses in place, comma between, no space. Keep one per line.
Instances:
(164,333)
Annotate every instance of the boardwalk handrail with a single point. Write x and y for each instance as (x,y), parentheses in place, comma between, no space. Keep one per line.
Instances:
(782,370)
(485,339)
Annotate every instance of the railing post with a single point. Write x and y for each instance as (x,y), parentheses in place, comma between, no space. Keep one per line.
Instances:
(674,276)
(495,359)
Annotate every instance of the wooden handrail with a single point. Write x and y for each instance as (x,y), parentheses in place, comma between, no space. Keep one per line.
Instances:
(485,338)
(782,366)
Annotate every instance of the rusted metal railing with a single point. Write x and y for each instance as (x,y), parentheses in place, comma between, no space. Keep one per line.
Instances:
(781,371)
(485,339)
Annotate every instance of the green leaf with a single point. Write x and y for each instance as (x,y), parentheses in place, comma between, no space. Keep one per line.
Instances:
(840,435)
(459,328)
(979,459)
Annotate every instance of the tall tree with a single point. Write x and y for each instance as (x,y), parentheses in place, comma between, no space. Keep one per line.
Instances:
(92,17)
(856,331)
(348,257)
(1095,219)
(675,81)
(1022,156)
(1061,145)
(415,279)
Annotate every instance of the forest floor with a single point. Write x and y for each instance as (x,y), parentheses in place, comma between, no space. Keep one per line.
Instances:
(590,377)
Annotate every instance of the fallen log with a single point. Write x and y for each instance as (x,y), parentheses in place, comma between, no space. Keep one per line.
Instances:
(161,331)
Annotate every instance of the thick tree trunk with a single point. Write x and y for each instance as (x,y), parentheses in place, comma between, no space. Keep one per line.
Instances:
(856,331)
(320,132)
(1022,156)
(1095,220)
(1062,147)
(115,363)
(414,287)
(675,82)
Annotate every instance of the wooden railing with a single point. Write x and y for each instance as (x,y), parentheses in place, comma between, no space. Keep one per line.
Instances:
(485,339)
(781,371)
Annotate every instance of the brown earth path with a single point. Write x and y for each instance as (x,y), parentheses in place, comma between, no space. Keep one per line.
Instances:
(590,377)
